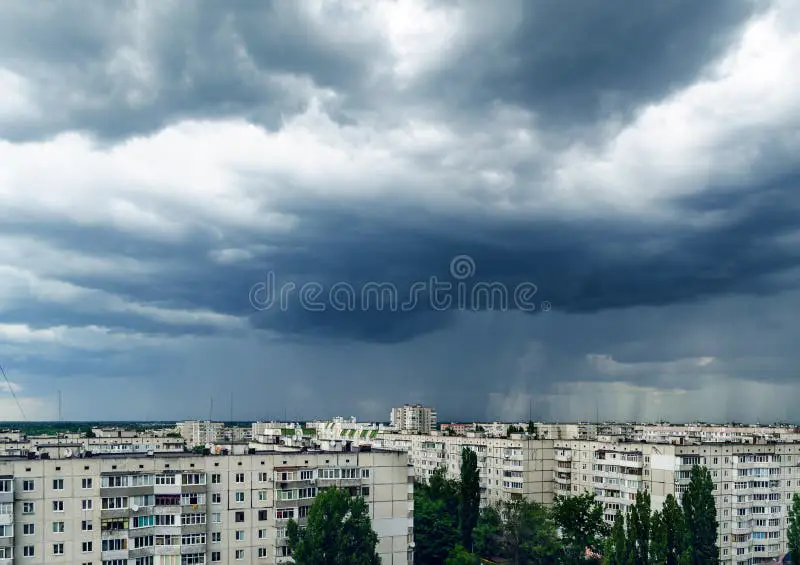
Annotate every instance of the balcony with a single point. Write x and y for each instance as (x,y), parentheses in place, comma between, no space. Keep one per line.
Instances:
(567,456)
(111,555)
(163,510)
(6,519)
(193,548)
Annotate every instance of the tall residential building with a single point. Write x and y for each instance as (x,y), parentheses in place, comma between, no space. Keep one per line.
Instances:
(200,432)
(413,418)
(188,510)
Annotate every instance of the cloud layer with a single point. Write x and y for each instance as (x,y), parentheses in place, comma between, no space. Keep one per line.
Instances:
(635,164)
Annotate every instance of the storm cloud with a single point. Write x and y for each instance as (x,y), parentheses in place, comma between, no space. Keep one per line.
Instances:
(170,172)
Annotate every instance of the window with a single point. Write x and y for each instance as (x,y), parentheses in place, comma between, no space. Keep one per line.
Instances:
(58,484)
(58,549)
(263,477)
(86,526)
(28,551)
(306,475)
(28,507)
(216,537)
(86,547)
(28,486)
(239,478)
(365,491)
(216,498)
(262,552)
(239,535)
(86,483)
(262,515)
(239,517)
(239,496)
(216,556)
(216,479)
(58,527)
(28,529)
(284,513)
(86,504)
(216,517)
(58,506)
(364,473)
(262,534)
(240,554)
(5,485)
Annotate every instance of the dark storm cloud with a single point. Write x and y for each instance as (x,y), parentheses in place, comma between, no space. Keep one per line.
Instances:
(574,63)
(125,68)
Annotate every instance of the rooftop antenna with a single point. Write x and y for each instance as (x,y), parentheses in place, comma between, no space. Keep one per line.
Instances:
(211,409)
(13,394)
(231,403)
(58,432)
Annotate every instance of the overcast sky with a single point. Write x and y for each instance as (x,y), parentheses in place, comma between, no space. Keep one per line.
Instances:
(169,168)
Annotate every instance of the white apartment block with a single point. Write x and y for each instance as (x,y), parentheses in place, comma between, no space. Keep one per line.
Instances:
(200,432)
(509,468)
(413,418)
(188,510)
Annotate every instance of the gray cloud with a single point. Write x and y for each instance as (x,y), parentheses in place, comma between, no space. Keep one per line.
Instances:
(630,161)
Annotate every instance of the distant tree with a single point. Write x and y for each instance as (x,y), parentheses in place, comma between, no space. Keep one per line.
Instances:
(531,428)
(529,535)
(700,514)
(460,556)
(638,533)
(487,535)
(793,533)
(338,532)
(470,498)
(580,519)
(674,531)
(89,434)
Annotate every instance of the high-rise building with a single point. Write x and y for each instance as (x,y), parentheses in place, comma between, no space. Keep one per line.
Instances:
(413,418)
(187,510)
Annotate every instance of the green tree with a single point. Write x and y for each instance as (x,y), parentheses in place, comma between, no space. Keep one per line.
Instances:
(674,530)
(658,539)
(616,550)
(529,534)
(338,532)
(460,556)
(487,535)
(446,490)
(435,528)
(531,428)
(700,514)
(793,533)
(580,519)
(639,528)
(470,499)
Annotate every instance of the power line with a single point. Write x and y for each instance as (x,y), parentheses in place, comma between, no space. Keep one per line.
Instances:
(13,394)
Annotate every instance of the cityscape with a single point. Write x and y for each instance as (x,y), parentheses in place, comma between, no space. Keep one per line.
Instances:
(399,282)
(206,491)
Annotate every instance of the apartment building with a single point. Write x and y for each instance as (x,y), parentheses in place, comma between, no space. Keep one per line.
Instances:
(198,432)
(509,468)
(189,509)
(413,418)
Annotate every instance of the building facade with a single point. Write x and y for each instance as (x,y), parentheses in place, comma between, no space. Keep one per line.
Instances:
(187,510)
(413,418)
(509,468)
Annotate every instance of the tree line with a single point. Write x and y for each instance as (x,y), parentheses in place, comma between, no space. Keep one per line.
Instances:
(450,528)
